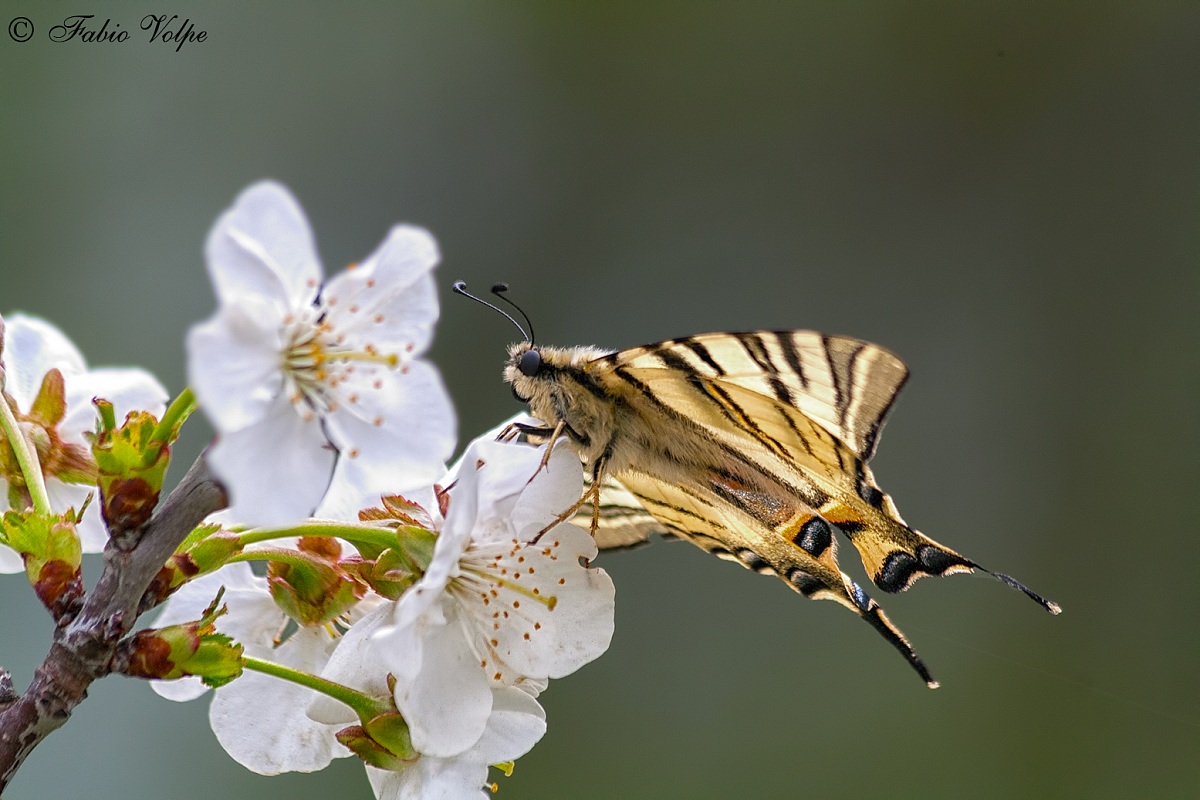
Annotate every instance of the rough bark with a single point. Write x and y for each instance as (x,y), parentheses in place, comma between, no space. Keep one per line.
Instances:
(83,648)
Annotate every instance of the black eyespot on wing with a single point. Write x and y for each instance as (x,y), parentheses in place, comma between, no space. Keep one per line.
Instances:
(531,362)
(871,495)
(897,572)
(900,568)
(814,537)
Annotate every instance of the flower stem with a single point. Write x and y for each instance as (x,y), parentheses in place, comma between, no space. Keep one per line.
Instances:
(290,557)
(366,534)
(365,706)
(27,458)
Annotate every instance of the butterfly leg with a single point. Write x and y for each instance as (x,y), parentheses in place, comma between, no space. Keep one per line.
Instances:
(552,434)
(590,495)
(594,491)
(554,437)
(561,518)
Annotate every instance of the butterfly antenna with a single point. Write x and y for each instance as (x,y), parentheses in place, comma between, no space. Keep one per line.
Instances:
(499,289)
(460,287)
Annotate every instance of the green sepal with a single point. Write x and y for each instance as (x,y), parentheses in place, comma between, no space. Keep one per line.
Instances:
(206,549)
(417,543)
(393,570)
(309,585)
(50,405)
(132,460)
(390,575)
(189,648)
(383,742)
(217,661)
(50,548)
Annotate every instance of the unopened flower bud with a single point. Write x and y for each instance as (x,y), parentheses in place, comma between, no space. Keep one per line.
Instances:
(383,742)
(132,464)
(190,648)
(50,548)
(311,587)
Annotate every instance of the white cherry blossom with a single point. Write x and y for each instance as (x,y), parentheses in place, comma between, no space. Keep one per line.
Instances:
(514,723)
(498,606)
(32,348)
(304,380)
(259,720)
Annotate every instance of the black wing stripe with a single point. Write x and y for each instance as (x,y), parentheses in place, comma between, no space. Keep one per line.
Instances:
(844,409)
(702,353)
(807,491)
(723,402)
(754,347)
(791,355)
(690,424)
(728,407)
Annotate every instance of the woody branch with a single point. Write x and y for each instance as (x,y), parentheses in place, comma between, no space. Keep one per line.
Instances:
(83,648)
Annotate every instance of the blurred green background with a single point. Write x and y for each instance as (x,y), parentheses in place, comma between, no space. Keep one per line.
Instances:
(1006,194)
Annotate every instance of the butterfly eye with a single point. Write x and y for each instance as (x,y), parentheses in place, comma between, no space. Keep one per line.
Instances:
(531,362)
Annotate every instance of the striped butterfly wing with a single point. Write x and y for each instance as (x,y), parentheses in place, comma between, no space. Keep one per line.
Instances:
(622,521)
(807,410)
(805,559)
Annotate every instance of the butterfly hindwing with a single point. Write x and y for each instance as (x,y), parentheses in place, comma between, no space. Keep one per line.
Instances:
(621,520)
(800,549)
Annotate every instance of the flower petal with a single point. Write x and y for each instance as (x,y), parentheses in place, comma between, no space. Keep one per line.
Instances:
(448,701)
(127,389)
(554,489)
(263,247)
(401,433)
(93,535)
(10,560)
(390,299)
(261,721)
(233,363)
(517,723)
(32,347)
(431,779)
(569,622)
(354,663)
(494,474)
(276,471)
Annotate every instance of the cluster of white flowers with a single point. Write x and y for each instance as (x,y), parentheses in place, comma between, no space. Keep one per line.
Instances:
(326,414)
(49,389)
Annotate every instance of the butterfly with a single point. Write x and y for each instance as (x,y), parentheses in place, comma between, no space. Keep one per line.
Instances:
(752,446)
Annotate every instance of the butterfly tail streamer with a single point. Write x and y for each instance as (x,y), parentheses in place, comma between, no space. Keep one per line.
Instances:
(897,556)
(1008,580)
(917,556)
(873,614)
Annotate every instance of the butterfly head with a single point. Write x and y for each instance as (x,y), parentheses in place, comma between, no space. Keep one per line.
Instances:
(524,370)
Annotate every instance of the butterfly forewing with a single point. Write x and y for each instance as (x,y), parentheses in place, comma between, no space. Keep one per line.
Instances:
(845,384)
